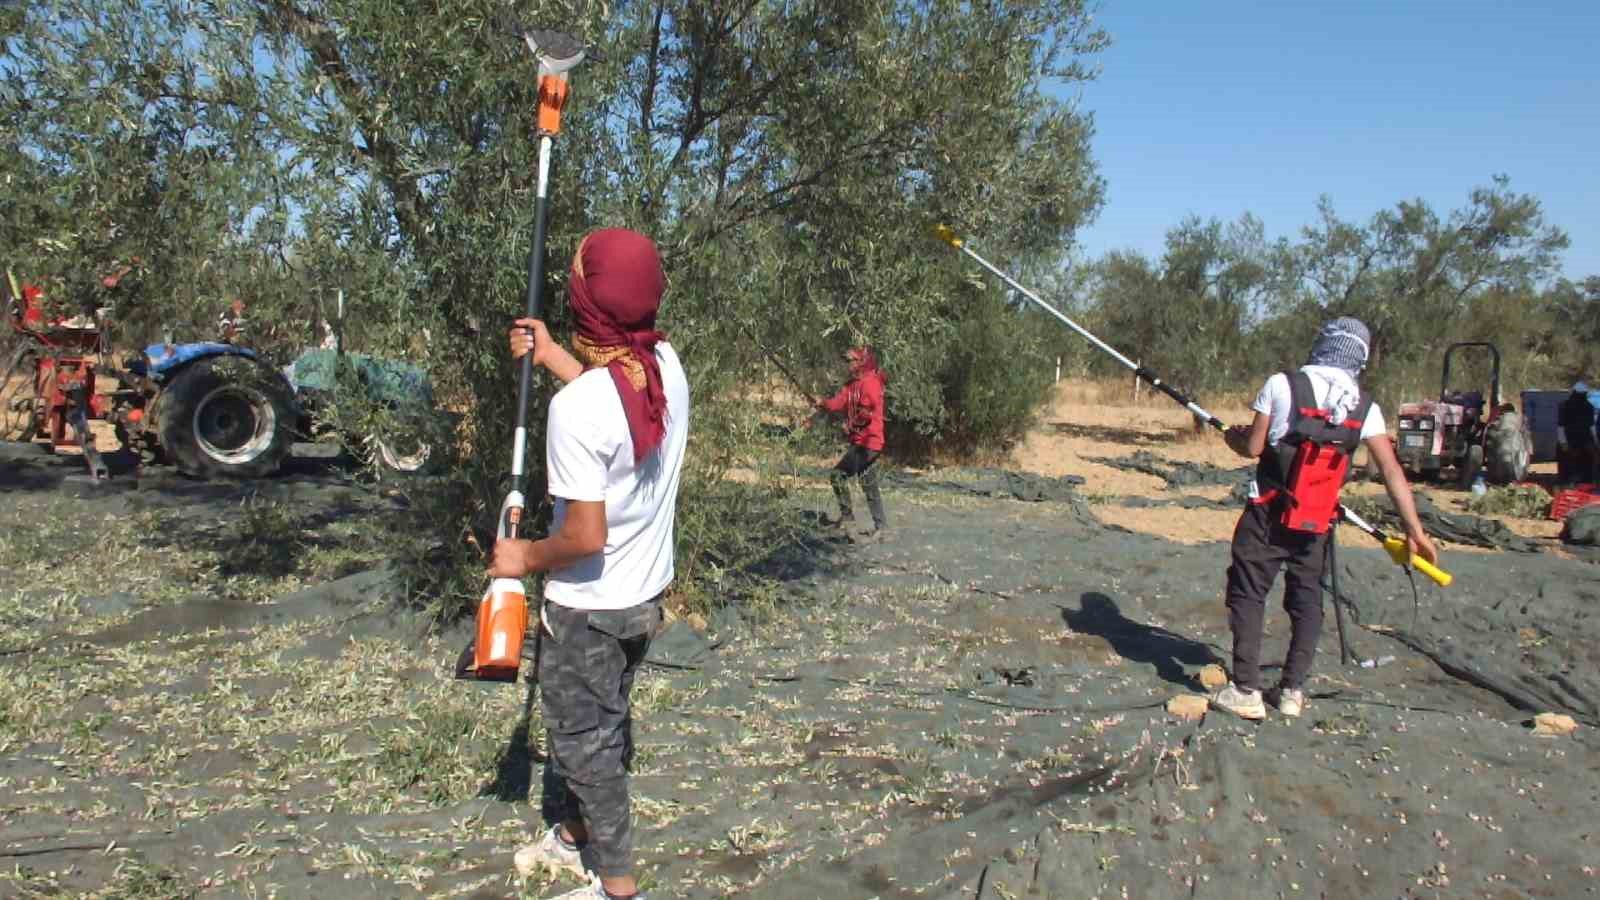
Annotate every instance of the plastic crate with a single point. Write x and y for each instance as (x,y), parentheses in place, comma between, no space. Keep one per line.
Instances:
(1574,498)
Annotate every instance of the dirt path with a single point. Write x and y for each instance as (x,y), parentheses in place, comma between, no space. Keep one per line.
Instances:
(972,709)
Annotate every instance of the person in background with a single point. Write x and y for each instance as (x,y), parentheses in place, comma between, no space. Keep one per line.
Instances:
(1575,436)
(861,403)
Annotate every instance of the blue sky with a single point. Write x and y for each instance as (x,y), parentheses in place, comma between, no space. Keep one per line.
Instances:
(1219,108)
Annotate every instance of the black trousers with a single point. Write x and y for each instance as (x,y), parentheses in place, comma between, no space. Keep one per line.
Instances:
(1577,465)
(1261,547)
(858,462)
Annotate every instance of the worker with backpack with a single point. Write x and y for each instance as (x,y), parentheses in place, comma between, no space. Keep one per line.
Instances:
(1307,426)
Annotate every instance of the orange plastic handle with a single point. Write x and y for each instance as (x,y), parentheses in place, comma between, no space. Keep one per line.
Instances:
(552,98)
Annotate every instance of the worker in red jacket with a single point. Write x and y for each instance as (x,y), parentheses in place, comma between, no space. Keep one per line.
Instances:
(861,402)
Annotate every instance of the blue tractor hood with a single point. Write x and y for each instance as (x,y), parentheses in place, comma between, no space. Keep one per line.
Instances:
(159,359)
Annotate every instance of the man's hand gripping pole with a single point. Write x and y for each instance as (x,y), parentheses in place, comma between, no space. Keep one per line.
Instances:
(1397,549)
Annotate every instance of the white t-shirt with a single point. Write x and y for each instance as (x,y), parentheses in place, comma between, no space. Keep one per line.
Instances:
(1335,391)
(589,456)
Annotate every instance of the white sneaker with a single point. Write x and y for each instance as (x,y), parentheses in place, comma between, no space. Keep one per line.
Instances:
(590,891)
(1291,701)
(1242,703)
(550,853)
(593,891)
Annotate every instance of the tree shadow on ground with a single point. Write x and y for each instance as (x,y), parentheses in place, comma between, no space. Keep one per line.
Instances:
(1111,434)
(268,540)
(36,467)
(1135,641)
(812,549)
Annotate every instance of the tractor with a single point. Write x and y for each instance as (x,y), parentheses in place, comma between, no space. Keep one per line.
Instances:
(210,408)
(395,424)
(1465,430)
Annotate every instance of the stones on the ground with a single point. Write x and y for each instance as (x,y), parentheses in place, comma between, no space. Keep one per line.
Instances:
(1188,706)
(1553,725)
(1212,677)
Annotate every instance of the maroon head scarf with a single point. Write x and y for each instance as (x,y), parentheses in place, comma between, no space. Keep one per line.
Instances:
(615,290)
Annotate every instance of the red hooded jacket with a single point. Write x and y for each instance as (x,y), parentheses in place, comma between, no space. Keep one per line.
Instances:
(861,401)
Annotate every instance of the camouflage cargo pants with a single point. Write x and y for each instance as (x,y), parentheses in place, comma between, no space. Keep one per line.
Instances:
(586,669)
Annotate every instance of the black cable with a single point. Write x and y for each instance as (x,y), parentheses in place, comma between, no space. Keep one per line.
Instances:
(1416,599)
(1330,561)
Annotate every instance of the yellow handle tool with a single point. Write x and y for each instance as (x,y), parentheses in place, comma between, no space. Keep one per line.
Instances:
(1396,548)
(1402,556)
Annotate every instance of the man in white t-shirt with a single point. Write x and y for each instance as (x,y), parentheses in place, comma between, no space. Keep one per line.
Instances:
(1264,542)
(614,448)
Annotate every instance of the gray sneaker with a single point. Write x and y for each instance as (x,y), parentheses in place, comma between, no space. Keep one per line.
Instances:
(1291,702)
(1242,703)
(549,852)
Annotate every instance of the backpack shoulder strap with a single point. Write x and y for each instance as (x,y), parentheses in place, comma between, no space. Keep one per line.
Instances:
(1363,408)
(1301,394)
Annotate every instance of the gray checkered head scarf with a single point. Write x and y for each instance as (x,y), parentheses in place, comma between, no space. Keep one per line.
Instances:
(1344,344)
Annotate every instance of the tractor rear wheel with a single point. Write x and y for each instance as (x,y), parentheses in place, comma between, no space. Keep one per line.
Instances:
(226,416)
(1507,449)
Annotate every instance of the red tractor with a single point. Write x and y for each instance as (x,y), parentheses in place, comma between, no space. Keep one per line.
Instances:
(210,408)
(49,383)
(1465,430)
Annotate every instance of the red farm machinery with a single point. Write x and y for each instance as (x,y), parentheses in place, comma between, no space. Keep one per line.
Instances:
(209,408)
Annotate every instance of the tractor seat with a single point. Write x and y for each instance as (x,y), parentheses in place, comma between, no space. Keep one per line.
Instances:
(1472,401)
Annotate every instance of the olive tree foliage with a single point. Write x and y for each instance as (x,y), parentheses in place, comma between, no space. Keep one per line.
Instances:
(1414,276)
(118,153)
(1184,315)
(788,158)
(1572,338)
(809,147)
(1224,308)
